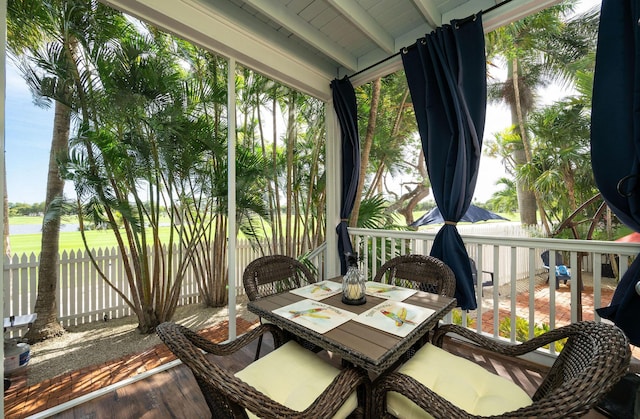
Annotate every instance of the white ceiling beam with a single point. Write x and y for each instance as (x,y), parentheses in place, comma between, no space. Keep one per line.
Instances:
(353,12)
(295,24)
(501,16)
(514,11)
(430,12)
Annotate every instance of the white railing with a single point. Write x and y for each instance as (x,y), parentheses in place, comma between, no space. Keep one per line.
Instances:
(517,266)
(83,297)
(505,250)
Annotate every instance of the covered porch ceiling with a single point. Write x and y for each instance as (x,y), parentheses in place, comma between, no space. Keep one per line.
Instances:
(307,43)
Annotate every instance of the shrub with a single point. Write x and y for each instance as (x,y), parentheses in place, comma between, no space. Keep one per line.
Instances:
(456,318)
(522,331)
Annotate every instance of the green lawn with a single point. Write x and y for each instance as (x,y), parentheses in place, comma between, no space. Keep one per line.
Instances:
(27,243)
(30,243)
(72,240)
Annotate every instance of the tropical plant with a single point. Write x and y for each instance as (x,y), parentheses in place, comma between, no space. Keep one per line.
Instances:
(537,50)
(288,177)
(456,318)
(505,199)
(561,166)
(522,331)
(149,143)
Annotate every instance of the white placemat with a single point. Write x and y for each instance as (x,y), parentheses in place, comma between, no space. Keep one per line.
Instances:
(388,292)
(315,315)
(395,317)
(319,290)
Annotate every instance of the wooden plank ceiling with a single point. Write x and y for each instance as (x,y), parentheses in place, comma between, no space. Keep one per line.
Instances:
(306,43)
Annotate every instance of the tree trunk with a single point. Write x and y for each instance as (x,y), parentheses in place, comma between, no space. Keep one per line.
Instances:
(278,239)
(415,196)
(526,197)
(570,182)
(366,148)
(47,325)
(291,141)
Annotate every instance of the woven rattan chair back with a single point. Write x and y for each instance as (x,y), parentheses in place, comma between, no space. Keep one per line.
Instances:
(274,274)
(421,272)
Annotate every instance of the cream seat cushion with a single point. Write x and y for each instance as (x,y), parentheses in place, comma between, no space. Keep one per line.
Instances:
(294,377)
(460,381)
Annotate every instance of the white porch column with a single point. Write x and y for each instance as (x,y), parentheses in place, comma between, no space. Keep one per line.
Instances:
(231,194)
(334,188)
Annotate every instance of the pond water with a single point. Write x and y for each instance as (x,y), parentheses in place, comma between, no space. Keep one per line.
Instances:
(37,228)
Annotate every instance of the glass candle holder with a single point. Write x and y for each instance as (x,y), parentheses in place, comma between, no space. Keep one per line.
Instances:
(353,283)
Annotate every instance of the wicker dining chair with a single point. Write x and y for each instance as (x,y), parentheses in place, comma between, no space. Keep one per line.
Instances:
(421,272)
(594,358)
(274,274)
(289,382)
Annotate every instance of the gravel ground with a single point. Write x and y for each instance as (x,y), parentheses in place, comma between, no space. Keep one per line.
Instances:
(95,343)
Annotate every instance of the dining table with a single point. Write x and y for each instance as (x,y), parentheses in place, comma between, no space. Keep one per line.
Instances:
(373,335)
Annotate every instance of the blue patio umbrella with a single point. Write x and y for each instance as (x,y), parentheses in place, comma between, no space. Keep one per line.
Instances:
(473,215)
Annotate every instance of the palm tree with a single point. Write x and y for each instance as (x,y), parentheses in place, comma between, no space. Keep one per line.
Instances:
(561,166)
(152,143)
(51,57)
(537,50)
(506,199)
(291,181)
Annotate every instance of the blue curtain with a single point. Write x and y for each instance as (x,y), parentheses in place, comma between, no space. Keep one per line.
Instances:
(615,140)
(446,73)
(344,102)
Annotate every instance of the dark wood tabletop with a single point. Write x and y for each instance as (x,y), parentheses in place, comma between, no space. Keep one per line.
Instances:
(370,348)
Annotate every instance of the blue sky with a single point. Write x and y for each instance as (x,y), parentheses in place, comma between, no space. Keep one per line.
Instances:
(28,132)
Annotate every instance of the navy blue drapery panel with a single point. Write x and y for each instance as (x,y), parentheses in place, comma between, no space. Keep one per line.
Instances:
(446,73)
(615,140)
(344,102)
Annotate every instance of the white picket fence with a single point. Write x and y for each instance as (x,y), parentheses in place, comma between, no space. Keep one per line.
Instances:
(83,296)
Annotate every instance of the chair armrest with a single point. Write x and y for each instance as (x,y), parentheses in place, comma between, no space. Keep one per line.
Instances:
(228,348)
(490,282)
(415,391)
(503,348)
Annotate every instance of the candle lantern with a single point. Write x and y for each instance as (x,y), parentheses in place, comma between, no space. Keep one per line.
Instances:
(353,283)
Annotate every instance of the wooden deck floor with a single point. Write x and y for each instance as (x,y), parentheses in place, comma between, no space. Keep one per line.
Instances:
(174,393)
